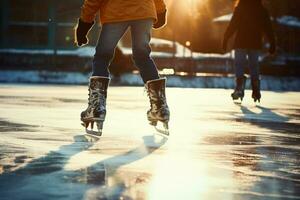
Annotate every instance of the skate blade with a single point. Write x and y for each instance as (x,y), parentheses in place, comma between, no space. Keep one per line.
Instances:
(257,101)
(162,128)
(91,138)
(237,99)
(91,132)
(237,102)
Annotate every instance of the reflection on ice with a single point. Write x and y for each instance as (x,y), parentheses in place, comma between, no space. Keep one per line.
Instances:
(180,175)
(216,150)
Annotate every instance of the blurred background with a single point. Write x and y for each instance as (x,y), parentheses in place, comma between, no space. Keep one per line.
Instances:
(37,45)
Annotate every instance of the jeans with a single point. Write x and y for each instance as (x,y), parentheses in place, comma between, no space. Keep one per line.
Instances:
(109,37)
(244,58)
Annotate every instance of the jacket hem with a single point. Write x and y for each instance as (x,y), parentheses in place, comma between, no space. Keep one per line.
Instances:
(128,19)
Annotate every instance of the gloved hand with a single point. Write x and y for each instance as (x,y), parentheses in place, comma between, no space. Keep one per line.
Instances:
(272,49)
(161,20)
(81,32)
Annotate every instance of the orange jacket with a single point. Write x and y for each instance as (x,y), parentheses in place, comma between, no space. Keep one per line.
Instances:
(121,10)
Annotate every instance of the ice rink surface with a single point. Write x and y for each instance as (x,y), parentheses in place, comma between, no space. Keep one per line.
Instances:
(216,150)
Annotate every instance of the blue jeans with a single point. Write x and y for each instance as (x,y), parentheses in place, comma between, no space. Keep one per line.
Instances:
(244,58)
(109,37)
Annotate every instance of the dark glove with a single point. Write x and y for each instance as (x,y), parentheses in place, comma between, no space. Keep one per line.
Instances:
(82,30)
(161,20)
(272,49)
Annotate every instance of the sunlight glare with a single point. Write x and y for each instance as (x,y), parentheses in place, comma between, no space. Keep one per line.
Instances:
(180,175)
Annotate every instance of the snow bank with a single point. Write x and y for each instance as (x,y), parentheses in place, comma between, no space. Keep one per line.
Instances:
(8,76)
(81,52)
(268,83)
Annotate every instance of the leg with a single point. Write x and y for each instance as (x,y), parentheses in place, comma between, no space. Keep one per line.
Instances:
(159,111)
(254,71)
(109,37)
(240,63)
(96,110)
(253,56)
(141,35)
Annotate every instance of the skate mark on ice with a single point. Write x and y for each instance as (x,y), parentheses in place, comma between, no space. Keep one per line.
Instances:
(7,126)
(65,100)
(31,99)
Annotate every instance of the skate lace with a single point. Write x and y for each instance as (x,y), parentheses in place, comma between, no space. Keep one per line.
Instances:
(96,97)
(102,99)
(157,100)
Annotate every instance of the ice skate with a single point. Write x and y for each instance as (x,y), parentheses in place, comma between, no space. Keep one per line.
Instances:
(239,89)
(159,113)
(256,95)
(96,110)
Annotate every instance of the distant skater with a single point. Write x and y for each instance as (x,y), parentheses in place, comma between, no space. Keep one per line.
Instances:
(251,22)
(116,16)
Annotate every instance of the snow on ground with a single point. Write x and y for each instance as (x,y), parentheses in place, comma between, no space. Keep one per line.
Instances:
(217,149)
(20,76)
(87,51)
(208,81)
(212,81)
